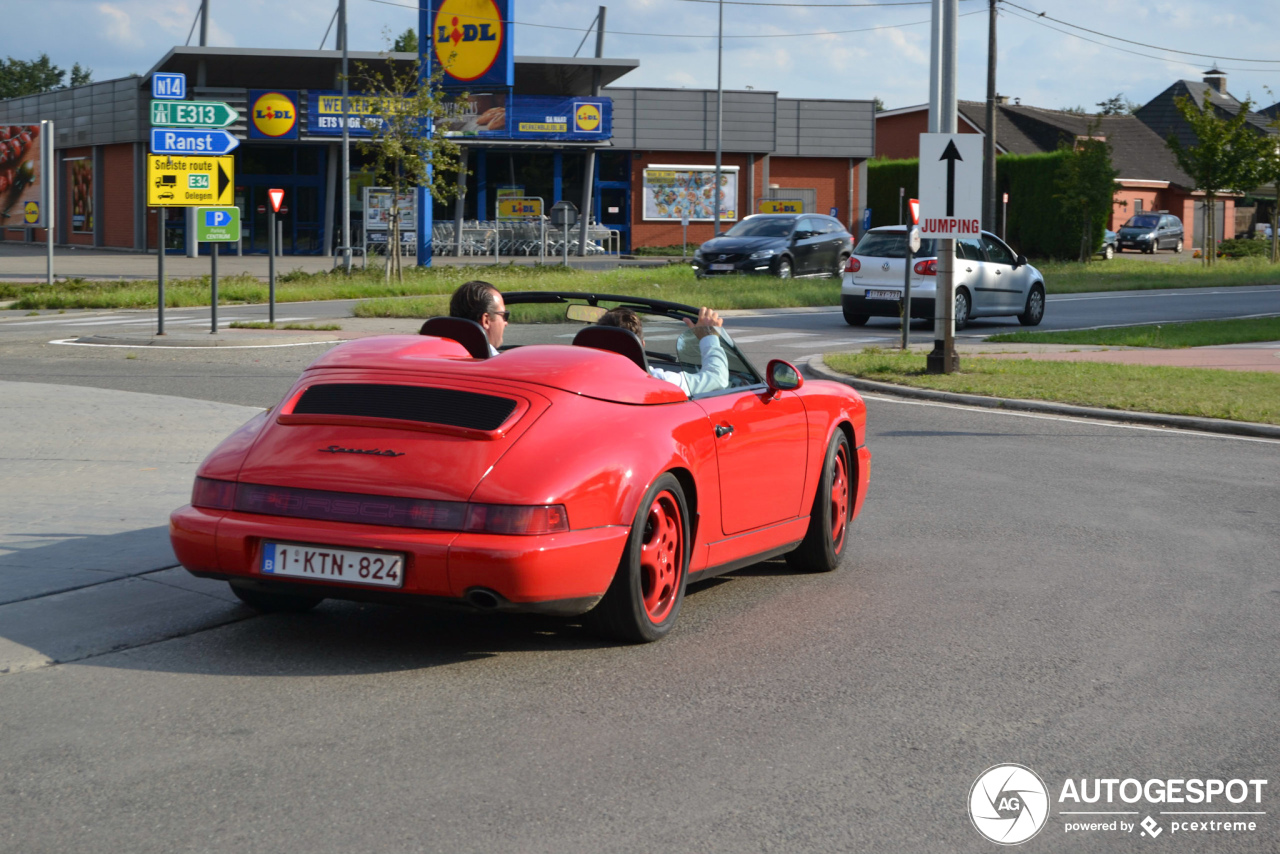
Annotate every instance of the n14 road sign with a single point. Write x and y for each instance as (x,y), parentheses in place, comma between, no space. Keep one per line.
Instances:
(950,184)
(180,141)
(209,114)
(189,181)
(218,225)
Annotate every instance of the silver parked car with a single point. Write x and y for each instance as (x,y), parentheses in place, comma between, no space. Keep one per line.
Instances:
(991,279)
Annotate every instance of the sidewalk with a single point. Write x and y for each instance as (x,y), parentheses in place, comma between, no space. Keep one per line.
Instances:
(26,263)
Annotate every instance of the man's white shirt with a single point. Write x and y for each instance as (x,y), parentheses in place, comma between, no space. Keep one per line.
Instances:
(713,376)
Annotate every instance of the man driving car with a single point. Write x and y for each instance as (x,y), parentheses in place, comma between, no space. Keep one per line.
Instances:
(481,302)
(714,374)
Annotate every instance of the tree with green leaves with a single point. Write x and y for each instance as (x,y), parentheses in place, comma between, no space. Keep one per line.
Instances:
(1087,186)
(1117,106)
(406,42)
(403,152)
(20,77)
(1268,172)
(1223,160)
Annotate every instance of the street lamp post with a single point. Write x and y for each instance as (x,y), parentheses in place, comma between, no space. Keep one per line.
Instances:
(719,114)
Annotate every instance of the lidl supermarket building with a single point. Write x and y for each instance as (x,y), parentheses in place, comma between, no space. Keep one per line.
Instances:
(647,143)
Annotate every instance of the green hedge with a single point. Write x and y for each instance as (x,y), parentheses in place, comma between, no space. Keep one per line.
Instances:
(1036,224)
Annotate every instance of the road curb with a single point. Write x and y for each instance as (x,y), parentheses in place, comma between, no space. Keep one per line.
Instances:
(818,366)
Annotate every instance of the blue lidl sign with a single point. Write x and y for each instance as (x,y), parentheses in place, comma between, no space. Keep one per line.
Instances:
(204,141)
(169,86)
(470,40)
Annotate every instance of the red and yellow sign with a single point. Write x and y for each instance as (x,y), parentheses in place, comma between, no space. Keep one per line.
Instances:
(586,118)
(467,38)
(274,114)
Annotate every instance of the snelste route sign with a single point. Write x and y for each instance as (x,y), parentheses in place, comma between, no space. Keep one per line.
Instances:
(950,185)
(206,114)
(179,182)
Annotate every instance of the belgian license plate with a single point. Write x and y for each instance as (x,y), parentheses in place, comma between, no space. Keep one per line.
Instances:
(721,268)
(884,294)
(325,563)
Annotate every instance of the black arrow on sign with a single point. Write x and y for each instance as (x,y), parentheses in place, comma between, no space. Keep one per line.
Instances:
(951,154)
(223,180)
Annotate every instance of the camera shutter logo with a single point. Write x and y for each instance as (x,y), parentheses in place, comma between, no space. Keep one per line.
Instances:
(1008,804)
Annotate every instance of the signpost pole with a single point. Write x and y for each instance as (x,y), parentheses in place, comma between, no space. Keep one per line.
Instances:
(943,359)
(906,299)
(271,259)
(160,270)
(1004,218)
(213,282)
(46,167)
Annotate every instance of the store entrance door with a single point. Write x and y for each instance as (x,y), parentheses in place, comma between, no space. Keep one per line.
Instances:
(299,171)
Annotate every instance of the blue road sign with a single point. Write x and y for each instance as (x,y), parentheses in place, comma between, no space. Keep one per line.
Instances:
(169,86)
(179,141)
(866,219)
(216,218)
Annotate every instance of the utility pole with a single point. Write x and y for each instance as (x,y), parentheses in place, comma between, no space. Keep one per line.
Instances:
(589,175)
(989,144)
(943,359)
(719,115)
(204,23)
(346,143)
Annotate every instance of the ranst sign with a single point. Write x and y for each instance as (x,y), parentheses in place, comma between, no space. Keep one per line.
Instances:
(950,185)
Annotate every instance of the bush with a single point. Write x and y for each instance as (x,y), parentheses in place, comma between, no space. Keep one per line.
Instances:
(1248,248)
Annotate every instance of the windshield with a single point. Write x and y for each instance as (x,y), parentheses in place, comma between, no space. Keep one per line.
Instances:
(890,244)
(1142,222)
(763,227)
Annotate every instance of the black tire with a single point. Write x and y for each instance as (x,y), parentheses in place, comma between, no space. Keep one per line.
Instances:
(784,269)
(274,603)
(855,319)
(1034,312)
(643,601)
(962,309)
(844,259)
(825,542)
(1108,252)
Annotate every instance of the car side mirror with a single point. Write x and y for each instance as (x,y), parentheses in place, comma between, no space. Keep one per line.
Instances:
(802,235)
(1019,261)
(782,376)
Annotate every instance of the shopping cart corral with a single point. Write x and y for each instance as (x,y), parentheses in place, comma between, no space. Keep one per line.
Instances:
(525,237)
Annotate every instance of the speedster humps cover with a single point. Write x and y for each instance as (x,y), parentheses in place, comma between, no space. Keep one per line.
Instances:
(558,478)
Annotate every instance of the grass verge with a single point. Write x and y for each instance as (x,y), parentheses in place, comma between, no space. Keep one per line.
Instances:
(1131,274)
(1235,395)
(1199,333)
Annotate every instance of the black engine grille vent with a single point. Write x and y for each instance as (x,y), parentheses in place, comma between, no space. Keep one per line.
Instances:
(407,403)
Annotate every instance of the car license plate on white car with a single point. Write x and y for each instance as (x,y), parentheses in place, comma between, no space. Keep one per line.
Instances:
(884,294)
(325,563)
(721,268)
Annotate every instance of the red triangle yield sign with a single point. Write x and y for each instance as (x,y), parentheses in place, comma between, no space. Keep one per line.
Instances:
(914,204)
(277,198)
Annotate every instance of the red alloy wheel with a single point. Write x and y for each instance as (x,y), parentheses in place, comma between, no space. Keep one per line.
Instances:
(661,556)
(839,499)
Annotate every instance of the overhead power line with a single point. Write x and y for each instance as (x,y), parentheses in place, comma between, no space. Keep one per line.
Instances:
(698,36)
(1041,16)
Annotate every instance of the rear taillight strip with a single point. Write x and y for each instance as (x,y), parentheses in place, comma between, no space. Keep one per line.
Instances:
(388,510)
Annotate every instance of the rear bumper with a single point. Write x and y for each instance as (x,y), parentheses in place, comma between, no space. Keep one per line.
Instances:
(563,573)
(921,307)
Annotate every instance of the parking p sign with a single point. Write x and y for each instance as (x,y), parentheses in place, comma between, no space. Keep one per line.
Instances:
(218,225)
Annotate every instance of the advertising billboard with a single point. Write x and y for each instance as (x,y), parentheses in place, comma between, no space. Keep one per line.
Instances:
(273,114)
(495,114)
(21,176)
(80,188)
(671,192)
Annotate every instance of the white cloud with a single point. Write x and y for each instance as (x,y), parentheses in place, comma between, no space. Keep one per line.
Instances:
(119,26)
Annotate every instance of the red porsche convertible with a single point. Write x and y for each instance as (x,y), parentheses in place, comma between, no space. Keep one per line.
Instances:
(556,477)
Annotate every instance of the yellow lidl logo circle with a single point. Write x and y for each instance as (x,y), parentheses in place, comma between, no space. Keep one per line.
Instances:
(467,37)
(31,212)
(587,117)
(274,114)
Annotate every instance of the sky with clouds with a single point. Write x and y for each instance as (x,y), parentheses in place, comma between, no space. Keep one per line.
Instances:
(826,49)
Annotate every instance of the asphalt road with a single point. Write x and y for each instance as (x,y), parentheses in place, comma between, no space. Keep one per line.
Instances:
(1090,600)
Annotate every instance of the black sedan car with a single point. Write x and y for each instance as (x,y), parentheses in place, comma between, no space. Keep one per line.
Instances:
(782,245)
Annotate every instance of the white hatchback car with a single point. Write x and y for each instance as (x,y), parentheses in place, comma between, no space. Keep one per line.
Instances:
(991,280)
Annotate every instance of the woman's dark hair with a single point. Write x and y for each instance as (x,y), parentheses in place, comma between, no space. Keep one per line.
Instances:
(624,318)
(472,300)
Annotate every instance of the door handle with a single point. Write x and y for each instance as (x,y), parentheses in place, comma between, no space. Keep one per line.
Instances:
(968,269)
(723,430)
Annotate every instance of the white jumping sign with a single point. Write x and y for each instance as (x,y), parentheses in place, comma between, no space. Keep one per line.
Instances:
(950,184)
